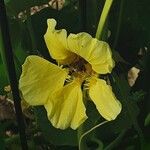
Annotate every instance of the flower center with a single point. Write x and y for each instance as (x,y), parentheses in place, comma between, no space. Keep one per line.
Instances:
(80,67)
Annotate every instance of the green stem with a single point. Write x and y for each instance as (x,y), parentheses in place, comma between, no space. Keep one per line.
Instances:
(118,24)
(80,132)
(81,129)
(103,18)
(82,135)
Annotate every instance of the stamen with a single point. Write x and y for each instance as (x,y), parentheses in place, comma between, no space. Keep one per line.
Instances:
(89,78)
(86,85)
(69,79)
(61,66)
(86,88)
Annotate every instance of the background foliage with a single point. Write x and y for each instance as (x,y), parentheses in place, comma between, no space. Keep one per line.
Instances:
(127,31)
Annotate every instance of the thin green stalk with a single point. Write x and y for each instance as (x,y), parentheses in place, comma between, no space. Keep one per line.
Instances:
(103,18)
(80,132)
(81,129)
(82,135)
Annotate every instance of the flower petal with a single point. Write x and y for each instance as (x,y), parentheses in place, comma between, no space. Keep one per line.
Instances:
(104,99)
(96,52)
(39,79)
(67,108)
(56,41)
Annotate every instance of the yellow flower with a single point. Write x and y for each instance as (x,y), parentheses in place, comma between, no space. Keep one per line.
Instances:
(80,59)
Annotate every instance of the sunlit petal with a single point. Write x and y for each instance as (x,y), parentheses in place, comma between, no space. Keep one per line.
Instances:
(68,109)
(104,99)
(56,41)
(39,79)
(96,52)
